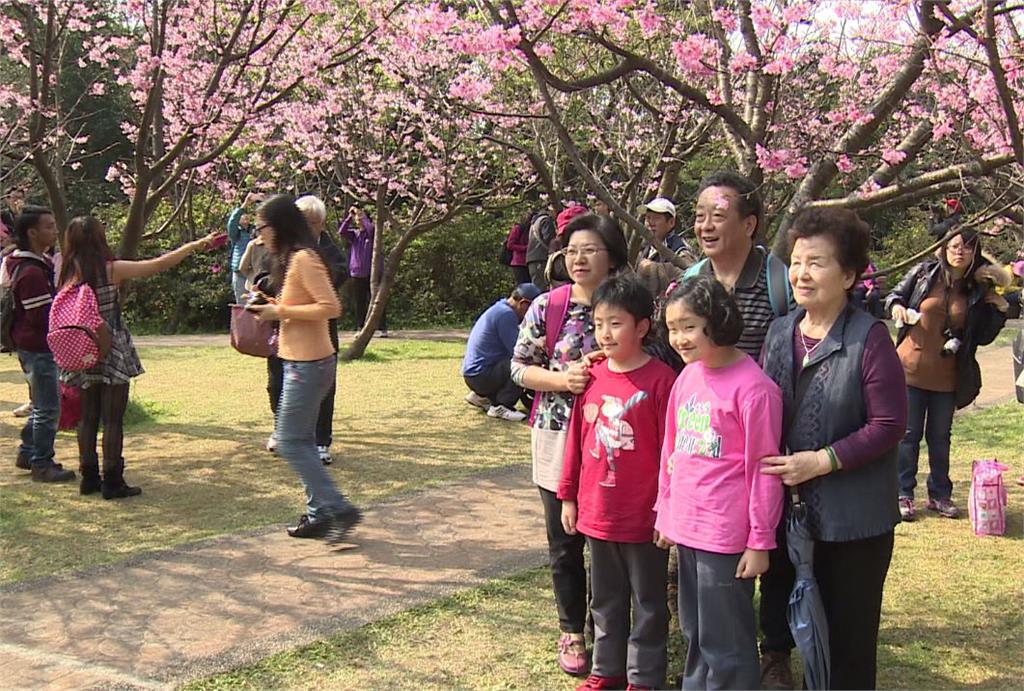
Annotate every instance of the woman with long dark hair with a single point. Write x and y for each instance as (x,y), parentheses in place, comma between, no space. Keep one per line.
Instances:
(945,307)
(88,259)
(306,303)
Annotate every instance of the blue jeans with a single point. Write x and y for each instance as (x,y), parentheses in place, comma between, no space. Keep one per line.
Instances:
(41,428)
(929,414)
(305,386)
(238,286)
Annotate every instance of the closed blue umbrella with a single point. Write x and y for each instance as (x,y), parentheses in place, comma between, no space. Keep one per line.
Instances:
(806,612)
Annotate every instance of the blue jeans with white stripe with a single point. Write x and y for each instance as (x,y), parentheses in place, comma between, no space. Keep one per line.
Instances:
(41,427)
(305,386)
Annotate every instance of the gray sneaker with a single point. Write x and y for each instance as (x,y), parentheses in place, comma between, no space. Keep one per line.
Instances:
(944,507)
(907,511)
(477,401)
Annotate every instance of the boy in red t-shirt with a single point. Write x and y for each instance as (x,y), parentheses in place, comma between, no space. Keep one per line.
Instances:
(609,486)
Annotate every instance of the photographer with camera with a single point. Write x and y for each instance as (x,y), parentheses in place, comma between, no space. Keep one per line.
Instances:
(944,308)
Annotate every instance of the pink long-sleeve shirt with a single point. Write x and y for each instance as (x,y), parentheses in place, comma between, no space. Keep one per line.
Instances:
(711,494)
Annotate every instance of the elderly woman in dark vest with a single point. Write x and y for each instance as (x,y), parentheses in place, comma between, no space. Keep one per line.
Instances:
(845,411)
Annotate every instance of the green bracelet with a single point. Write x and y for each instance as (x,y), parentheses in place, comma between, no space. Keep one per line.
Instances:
(832,458)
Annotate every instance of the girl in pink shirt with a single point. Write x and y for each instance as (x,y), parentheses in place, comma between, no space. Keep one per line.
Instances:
(724,415)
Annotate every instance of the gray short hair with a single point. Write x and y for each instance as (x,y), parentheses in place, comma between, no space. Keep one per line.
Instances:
(312,208)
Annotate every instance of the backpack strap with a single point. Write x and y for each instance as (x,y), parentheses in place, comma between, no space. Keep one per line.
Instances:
(780,292)
(694,269)
(554,316)
(555,313)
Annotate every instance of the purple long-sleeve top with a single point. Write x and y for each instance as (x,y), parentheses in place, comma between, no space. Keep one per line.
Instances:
(360,253)
(881,375)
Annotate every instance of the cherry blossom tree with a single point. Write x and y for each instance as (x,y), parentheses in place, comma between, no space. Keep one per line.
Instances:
(836,103)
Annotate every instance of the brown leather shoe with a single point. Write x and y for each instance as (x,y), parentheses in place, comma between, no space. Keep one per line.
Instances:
(51,473)
(776,672)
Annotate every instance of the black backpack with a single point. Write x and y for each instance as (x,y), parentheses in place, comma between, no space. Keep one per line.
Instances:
(7,311)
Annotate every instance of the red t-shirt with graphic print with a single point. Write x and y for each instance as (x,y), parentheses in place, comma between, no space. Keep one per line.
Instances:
(613,451)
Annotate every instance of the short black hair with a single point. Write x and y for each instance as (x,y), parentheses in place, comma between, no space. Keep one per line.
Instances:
(750,199)
(27,220)
(607,228)
(708,299)
(848,234)
(625,291)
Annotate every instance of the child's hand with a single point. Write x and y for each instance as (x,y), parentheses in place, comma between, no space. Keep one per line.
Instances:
(593,358)
(569,517)
(662,541)
(753,563)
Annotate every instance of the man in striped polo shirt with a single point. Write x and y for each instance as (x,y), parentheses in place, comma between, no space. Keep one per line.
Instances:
(728,218)
(32,289)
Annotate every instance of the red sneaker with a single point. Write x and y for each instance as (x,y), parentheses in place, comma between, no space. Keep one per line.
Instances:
(572,655)
(596,682)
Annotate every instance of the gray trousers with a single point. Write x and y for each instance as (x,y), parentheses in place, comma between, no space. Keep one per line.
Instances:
(716,613)
(624,574)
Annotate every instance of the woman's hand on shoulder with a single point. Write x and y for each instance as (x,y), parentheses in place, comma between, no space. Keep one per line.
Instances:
(799,467)
(577,377)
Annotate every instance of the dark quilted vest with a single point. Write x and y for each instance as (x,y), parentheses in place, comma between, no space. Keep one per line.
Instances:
(848,505)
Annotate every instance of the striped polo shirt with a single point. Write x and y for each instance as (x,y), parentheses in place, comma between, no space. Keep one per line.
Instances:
(751,294)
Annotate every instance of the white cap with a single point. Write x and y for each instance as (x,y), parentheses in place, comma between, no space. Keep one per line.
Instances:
(659,205)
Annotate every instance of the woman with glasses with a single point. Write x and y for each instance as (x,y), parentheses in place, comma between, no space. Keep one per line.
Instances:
(945,307)
(305,304)
(594,249)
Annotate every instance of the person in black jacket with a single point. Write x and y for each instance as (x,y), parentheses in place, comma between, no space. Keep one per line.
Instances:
(944,308)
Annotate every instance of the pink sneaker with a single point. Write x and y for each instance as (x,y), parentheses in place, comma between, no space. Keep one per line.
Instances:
(596,682)
(572,655)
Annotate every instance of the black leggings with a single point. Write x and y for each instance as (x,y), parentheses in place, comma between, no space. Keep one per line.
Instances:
(104,403)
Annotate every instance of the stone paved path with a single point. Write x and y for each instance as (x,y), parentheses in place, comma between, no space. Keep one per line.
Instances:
(161,619)
(457,335)
(166,618)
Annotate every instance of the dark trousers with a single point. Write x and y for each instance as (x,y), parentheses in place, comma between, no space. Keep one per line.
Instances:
(716,615)
(568,572)
(776,585)
(624,574)
(361,301)
(496,384)
(851,576)
(325,417)
(102,404)
(536,271)
(929,414)
(520,274)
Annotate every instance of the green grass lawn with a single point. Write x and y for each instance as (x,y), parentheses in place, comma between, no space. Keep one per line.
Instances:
(952,615)
(197,451)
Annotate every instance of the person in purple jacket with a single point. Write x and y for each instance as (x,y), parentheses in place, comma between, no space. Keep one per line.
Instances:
(357,229)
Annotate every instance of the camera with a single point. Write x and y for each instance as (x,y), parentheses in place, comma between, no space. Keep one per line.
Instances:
(256,298)
(952,344)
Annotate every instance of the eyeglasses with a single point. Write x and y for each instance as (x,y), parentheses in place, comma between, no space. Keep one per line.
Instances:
(588,251)
(259,229)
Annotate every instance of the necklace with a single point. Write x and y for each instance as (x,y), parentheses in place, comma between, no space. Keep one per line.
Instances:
(807,351)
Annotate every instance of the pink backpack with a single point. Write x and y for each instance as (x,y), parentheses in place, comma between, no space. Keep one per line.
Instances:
(78,336)
(988,498)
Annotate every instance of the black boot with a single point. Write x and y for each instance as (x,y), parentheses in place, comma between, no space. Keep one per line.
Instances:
(90,479)
(113,485)
(51,473)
